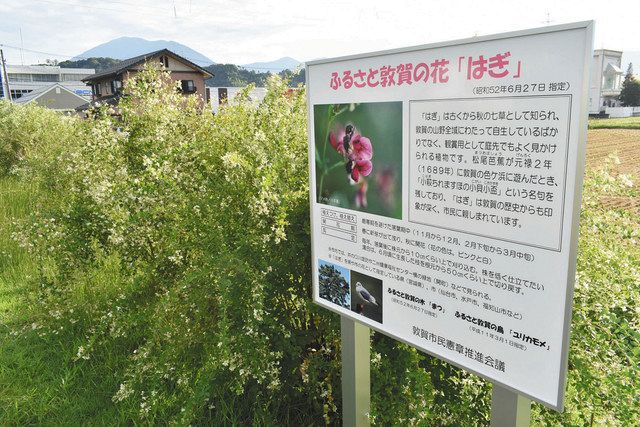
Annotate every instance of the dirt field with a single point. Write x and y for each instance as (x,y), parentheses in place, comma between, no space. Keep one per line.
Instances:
(625,143)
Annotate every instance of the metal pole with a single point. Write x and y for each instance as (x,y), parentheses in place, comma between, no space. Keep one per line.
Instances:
(356,381)
(5,78)
(509,409)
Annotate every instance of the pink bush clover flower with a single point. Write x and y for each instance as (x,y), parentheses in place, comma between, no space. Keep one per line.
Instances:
(361,148)
(355,148)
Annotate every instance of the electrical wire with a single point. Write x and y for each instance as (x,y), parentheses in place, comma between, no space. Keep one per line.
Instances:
(89,6)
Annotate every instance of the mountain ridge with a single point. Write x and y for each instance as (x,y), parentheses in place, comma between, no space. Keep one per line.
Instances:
(278,65)
(128,47)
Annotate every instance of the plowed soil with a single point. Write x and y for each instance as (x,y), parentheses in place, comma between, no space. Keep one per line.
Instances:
(625,144)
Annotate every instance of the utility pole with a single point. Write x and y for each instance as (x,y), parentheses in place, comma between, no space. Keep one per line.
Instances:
(5,78)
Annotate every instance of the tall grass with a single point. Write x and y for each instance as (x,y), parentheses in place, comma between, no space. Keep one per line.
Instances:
(621,123)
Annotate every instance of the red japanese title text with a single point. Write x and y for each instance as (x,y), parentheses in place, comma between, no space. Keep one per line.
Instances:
(497,66)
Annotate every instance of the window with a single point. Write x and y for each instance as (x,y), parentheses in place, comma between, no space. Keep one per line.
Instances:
(18,93)
(116,86)
(164,60)
(188,86)
(45,77)
(96,89)
(19,77)
(73,77)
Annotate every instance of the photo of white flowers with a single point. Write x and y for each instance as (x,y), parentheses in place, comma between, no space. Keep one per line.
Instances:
(359,156)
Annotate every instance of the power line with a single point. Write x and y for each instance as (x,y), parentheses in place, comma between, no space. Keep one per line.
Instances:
(170,11)
(136,4)
(87,6)
(43,53)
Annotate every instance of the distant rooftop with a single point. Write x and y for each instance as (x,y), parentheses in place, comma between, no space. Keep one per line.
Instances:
(37,93)
(607,51)
(47,69)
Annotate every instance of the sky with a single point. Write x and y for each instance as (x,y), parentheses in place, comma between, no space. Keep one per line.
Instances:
(244,31)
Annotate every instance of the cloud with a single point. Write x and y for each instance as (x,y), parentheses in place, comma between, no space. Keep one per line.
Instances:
(245,31)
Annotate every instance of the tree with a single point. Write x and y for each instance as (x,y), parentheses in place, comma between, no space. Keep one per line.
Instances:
(630,93)
(98,64)
(295,78)
(333,287)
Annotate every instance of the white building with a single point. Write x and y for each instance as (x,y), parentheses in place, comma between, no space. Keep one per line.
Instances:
(218,96)
(24,79)
(606,80)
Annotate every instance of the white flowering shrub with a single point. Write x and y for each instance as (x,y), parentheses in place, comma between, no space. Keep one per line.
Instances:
(27,130)
(180,241)
(173,252)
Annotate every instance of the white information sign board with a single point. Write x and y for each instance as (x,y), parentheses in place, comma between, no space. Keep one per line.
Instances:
(445,196)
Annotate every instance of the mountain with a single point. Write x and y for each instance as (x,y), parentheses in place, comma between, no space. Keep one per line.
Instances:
(285,63)
(128,47)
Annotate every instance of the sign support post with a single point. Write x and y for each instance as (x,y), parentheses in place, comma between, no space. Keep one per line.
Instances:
(509,409)
(356,382)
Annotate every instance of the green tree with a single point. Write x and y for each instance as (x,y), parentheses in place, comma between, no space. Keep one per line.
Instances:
(98,64)
(333,287)
(630,93)
(294,78)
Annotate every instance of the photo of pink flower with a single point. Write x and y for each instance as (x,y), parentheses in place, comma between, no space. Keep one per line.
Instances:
(359,147)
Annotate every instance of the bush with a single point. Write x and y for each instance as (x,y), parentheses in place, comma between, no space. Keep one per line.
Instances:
(27,129)
(174,249)
(182,240)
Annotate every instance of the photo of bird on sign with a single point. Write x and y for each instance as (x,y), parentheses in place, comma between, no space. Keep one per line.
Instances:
(366,296)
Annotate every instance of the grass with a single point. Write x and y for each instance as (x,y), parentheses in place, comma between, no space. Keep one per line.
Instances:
(623,123)
(39,382)
(15,263)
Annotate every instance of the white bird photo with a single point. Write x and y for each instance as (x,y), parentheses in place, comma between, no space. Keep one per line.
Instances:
(364,294)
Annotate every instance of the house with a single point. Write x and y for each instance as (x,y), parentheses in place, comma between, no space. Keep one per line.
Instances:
(55,96)
(24,79)
(106,86)
(606,80)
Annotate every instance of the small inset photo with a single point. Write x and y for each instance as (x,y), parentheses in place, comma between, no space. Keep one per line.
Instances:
(333,283)
(359,156)
(366,296)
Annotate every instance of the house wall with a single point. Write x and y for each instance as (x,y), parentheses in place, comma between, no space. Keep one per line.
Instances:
(198,79)
(58,99)
(175,65)
(105,87)
(616,112)
(177,70)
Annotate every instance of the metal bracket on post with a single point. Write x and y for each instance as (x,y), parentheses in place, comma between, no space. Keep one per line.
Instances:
(509,409)
(356,379)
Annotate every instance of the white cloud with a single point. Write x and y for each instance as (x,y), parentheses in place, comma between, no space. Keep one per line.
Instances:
(244,31)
